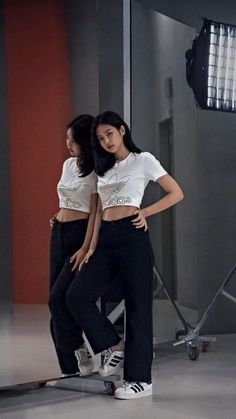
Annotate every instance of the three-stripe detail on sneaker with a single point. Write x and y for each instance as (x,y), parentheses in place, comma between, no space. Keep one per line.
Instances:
(137,387)
(115,360)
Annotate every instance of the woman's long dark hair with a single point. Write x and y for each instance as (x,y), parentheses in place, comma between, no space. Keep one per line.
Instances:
(81,133)
(104,160)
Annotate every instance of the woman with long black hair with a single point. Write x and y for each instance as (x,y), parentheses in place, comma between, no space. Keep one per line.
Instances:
(121,246)
(72,229)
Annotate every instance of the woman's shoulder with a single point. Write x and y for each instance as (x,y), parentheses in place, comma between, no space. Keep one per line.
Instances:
(70,161)
(70,164)
(144,155)
(147,160)
(138,158)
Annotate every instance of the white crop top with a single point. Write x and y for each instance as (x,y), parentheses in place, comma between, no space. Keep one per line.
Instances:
(74,191)
(125,182)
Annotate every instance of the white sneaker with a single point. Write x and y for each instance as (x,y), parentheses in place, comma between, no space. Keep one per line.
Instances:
(112,363)
(133,390)
(85,360)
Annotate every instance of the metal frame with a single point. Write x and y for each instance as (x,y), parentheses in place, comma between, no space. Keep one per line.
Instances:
(192,337)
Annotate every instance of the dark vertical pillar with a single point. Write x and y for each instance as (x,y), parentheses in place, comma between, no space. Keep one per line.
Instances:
(110,58)
(5,222)
(83,51)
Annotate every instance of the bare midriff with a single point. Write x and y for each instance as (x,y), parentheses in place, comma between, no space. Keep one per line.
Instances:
(116,213)
(64,215)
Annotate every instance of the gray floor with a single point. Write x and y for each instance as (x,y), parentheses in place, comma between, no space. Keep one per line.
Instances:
(26,350)
(183,389)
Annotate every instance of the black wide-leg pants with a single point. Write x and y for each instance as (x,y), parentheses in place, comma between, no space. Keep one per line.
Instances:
(66,239)
(125,251)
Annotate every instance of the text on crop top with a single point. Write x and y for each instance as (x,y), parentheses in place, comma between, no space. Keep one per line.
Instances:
(74,191)
(125,182)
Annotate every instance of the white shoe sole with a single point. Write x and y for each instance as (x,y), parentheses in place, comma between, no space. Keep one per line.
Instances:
(133,396)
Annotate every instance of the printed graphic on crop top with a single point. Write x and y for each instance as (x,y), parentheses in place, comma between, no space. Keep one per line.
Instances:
(125,182)
(74,191)
(113,188)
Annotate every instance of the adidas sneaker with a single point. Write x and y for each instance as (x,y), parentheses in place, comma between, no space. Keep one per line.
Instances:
(85,360)
(133,390)
(113,362)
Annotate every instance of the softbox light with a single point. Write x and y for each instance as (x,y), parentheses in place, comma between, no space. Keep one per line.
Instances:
(211,66)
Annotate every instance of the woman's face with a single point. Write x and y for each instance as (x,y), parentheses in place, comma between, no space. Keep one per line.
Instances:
(73,147)
(110,138)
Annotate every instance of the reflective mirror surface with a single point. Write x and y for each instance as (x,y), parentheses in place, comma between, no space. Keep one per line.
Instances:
(162,122)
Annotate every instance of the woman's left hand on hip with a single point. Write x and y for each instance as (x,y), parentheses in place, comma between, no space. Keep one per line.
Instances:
(140,220)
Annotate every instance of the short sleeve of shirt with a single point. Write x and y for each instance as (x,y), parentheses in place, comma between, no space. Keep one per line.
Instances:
(66,168)
(153,170)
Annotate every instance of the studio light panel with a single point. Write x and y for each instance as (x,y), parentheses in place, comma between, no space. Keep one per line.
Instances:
(211,66)
(221,90)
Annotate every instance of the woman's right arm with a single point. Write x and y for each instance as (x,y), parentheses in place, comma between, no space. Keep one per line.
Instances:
(96,229)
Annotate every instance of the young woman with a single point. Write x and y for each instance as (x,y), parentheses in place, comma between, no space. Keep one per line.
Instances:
(72,229)
(122,247)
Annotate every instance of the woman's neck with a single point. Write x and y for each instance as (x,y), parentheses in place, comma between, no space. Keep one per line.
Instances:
(121,154)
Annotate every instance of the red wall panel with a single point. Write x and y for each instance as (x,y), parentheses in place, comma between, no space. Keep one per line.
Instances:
(39,108)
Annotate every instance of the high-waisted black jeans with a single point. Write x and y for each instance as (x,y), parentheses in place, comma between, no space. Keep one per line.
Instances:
(66,239)
(125,251)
